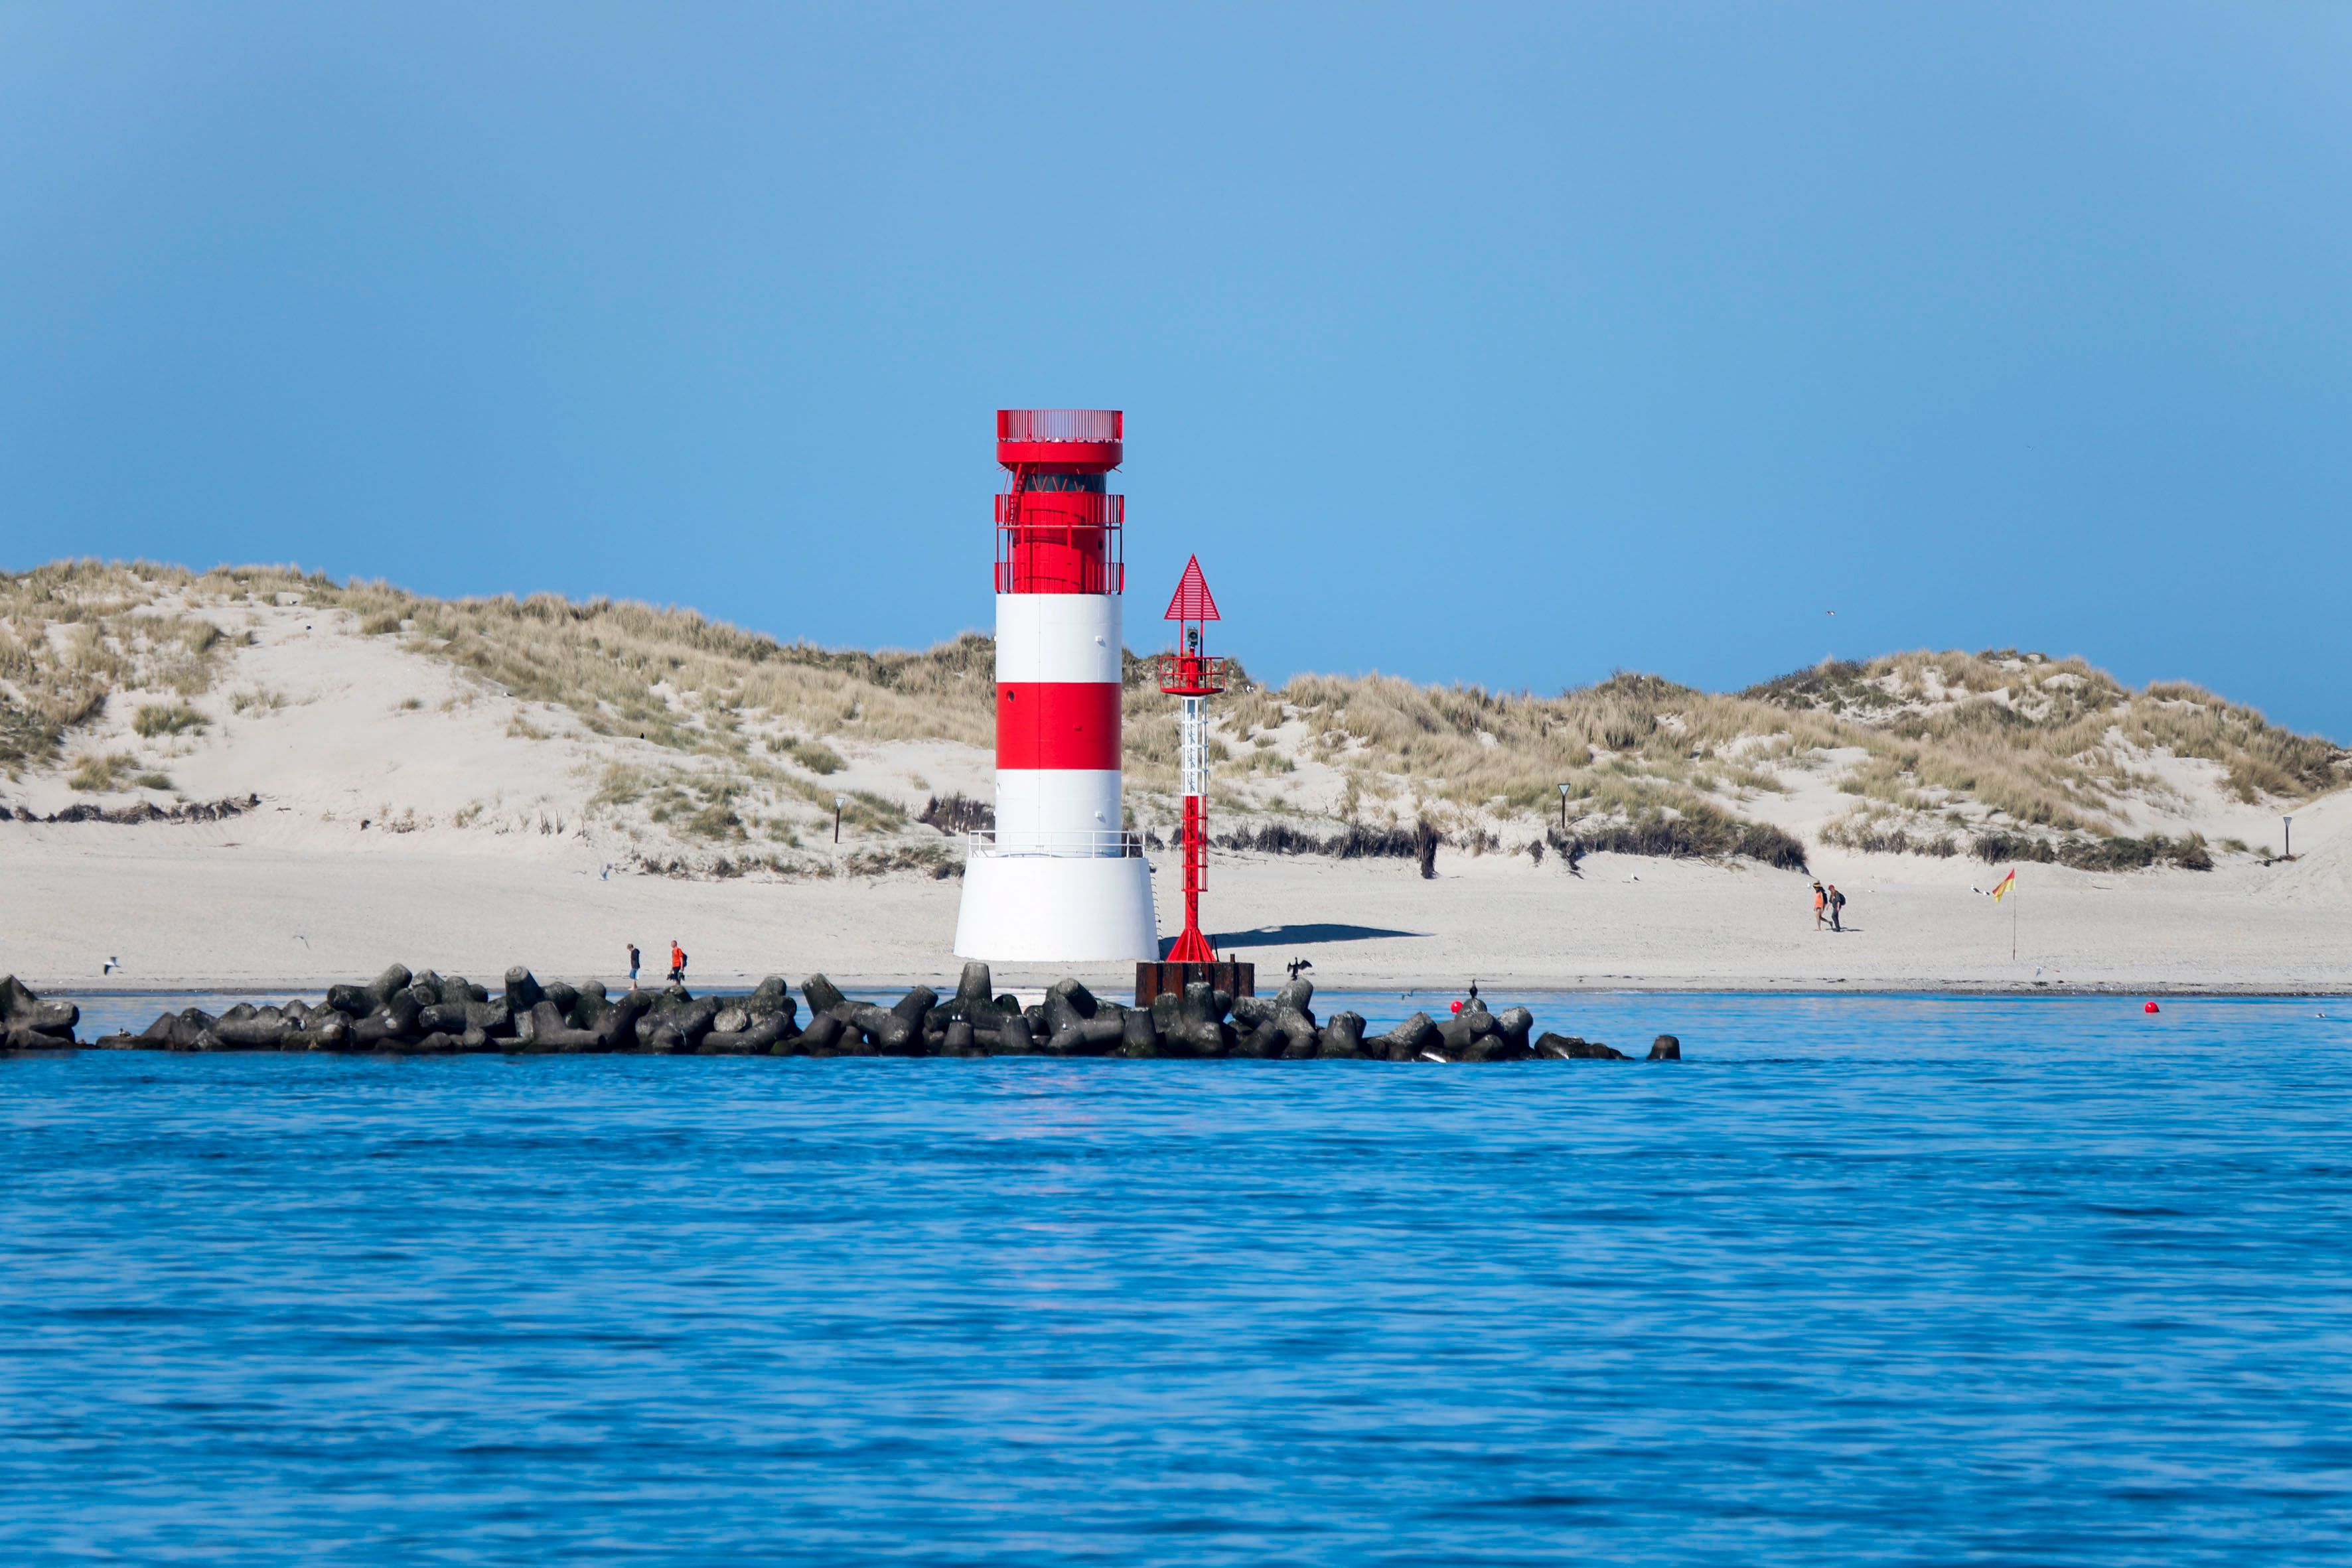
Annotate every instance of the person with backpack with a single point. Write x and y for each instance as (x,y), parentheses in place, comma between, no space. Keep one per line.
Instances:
(1837,904)
(632,965)
(677,963)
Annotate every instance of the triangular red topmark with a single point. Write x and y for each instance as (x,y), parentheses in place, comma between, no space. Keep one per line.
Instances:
(1192,601)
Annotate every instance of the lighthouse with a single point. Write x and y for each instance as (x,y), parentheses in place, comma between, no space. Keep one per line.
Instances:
(1060,880)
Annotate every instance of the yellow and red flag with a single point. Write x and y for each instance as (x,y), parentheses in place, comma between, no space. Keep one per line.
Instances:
(2001,889)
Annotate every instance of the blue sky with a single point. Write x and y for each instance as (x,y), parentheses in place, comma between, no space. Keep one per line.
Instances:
(1507,345)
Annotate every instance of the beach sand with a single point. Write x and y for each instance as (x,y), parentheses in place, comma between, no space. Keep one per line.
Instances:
(496,856)
(221,904)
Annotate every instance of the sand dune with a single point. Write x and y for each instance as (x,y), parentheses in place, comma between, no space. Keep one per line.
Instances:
(412,810)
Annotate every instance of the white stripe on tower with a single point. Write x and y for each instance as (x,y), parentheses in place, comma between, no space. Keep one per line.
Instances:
(1059,653)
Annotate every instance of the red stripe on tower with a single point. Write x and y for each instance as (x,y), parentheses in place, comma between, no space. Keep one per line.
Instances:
(1057,724)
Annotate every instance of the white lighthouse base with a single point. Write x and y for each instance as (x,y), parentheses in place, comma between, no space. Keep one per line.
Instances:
(1046,909)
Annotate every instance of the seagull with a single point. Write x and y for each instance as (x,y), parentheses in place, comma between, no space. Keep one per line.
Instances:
(113,963)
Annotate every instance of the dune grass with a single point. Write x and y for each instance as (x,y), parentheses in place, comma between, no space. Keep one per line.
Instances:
(155,720)
(1938,749)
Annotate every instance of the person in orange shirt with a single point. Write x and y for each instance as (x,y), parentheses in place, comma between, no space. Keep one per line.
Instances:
(1820,905)
(677,963)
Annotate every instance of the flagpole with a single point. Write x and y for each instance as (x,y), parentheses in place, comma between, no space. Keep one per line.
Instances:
(2012,917)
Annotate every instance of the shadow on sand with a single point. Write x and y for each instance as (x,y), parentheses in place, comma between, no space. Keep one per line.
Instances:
(1304,935)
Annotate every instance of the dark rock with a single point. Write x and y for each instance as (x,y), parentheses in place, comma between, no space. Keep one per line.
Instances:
(1665,1048)
(589,1006)
(22,1011)
(1254,1042)
(973,988)
(1343,1037)
(1575,1048)
(771,995)
(915,1005)
(1089,1037)
(523,992)
(443,1016)
(1248,1012)
(1297,1032)
(565,997)
(1079,997)
(254,1032)
(821,1038)
(893,1034)
(384,987)
(959,1038)
(1138,1036)
(823,995)
(1406,1041)
(1499,1048)
(1515,1024)
(1061,1014)
(1455,1037)
(1298,994)
(1015,1038)
(759,1037)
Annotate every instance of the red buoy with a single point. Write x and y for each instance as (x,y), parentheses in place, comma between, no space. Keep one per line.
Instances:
(2151,1008)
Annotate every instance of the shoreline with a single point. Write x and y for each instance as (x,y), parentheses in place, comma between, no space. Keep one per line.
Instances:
(1103,985)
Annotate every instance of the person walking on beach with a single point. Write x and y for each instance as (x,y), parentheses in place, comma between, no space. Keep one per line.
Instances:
(1820,905)
(677,963)
(1837,902)
(632,965)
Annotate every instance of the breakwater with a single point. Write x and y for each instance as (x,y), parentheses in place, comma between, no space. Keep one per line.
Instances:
(406,1012)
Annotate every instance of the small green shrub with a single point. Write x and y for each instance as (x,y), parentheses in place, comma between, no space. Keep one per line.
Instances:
(99,775)
(815,755)
(154,719)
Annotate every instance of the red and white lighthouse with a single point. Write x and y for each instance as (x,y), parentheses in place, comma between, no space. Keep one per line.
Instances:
(1060,880)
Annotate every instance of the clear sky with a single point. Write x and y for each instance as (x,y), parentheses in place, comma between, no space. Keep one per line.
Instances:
(1494,344)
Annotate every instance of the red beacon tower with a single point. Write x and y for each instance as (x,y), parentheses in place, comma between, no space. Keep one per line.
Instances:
(1192,675)
(1059,879)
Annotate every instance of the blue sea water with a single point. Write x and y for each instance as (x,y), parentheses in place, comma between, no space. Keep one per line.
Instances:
(1909,1280)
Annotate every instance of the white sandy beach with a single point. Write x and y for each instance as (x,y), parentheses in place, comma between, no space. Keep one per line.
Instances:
(223,904)
(498,859)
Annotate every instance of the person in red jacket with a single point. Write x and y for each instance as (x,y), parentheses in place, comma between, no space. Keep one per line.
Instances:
(677,962)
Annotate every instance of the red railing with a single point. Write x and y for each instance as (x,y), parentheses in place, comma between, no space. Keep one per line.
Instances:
(1060,424)
(1066,542)
(1191,675)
